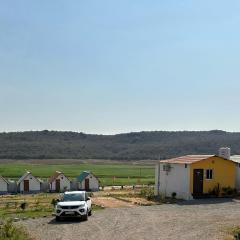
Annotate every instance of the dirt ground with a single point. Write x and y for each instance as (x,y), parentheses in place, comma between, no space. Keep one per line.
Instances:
(192,220)
(119,198)
(111,202)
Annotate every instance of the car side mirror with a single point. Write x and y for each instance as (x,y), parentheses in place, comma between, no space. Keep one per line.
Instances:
(57,200)
(88,198)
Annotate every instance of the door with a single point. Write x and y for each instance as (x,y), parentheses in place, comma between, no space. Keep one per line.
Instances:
(197,182)
(26,185)
(58,185)
(86,184)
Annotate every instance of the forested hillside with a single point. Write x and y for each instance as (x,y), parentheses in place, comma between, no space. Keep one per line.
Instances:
(139,145)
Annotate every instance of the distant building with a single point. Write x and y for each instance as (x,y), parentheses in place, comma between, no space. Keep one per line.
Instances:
(87,181)
(59,182)
(3,185)
(193,176)
(236,159)
(29,184)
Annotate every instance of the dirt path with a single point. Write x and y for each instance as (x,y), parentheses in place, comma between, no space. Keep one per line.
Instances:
(206,219)
(111,202)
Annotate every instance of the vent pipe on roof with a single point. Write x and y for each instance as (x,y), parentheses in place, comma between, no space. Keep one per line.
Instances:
(224,152)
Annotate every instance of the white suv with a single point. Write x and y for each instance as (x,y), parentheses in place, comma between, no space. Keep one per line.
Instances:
(74,204)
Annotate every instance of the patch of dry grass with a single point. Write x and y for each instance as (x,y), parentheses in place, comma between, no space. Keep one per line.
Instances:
(232,232)
(36,205)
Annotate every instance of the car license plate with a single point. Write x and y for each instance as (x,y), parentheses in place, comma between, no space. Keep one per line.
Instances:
(69,213)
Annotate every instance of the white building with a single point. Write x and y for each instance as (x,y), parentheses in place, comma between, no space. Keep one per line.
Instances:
(224,152)
(3,185)
(173,177)
(236,159)
(87,181)
(28,183)
(59,182)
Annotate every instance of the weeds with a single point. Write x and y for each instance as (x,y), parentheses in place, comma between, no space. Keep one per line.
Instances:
(147,193)
(23,205)
(10,232)
(54,202)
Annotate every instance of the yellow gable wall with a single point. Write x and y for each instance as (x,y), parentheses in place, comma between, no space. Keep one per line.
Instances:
(224,173)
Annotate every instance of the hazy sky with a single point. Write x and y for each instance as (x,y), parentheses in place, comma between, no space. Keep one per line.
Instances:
(119,66)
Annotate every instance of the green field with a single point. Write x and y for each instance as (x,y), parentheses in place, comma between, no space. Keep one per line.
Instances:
(109,174)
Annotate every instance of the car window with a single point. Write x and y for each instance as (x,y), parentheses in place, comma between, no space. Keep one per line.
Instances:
(74,197)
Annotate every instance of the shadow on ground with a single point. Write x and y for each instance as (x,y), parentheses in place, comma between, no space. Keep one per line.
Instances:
(208,201)
(66,221)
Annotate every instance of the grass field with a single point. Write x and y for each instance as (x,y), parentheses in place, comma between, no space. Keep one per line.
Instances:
(109,174)
(38,205)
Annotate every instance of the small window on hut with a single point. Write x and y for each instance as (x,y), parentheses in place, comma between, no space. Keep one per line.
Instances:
(209,174)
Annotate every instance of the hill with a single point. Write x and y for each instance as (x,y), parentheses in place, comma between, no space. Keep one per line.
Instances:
(138,145)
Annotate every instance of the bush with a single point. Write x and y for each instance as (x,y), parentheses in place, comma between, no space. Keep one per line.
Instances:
(215,191)
(23,205)
(147,193)
(54,202)
(10,232)
(228,191)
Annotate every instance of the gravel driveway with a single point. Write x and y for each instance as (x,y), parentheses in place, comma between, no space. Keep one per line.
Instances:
(199,219)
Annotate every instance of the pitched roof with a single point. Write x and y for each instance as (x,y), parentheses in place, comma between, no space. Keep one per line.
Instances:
(188,159)
(55,176)
(5,180)
(235,158)
(25,175)
(82,176)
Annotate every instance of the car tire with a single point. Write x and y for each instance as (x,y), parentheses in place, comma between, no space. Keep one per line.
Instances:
(57,218)
(85,217)
(90,213)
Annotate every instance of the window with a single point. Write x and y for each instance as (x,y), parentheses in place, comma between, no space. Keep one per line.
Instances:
(209,174)
(185,165)
(70,197)
(167,167)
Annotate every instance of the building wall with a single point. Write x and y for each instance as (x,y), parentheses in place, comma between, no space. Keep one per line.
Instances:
(93,183)
(224,173)
(177,180)
(238,176)
(64,183)
(3,186)
(34,184)
(12,187)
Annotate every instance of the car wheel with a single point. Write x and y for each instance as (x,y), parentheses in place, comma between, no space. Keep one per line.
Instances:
(85,217)
(90,213)
(57,219)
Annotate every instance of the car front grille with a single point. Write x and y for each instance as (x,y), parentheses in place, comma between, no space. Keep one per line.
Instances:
(70,207)
(63,214)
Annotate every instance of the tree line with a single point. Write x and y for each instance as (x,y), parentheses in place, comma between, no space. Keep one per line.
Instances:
(130,146)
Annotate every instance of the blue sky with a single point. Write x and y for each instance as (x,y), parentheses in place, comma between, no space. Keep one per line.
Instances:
(119,66)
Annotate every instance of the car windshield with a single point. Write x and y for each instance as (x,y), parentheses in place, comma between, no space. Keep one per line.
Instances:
(74,197)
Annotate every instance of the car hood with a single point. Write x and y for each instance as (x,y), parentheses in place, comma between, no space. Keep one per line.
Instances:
(74,203)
